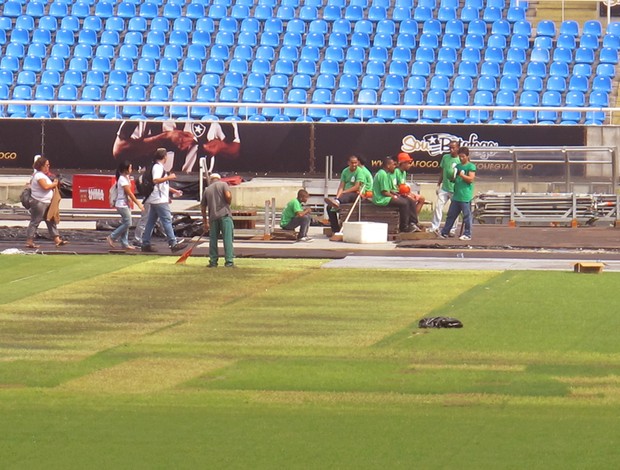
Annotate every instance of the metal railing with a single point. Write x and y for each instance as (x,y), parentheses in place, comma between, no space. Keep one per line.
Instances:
(211,108)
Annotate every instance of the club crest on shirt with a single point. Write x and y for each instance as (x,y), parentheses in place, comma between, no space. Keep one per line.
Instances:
(198,129)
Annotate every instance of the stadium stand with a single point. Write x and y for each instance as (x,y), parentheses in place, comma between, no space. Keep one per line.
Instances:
(321,52)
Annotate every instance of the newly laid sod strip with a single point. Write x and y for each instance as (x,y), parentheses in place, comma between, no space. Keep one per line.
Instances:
(136,362)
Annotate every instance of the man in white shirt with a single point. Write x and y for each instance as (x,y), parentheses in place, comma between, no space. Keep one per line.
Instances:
(159,201)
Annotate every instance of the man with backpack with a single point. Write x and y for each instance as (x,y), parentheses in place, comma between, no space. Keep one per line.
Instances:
(158,198)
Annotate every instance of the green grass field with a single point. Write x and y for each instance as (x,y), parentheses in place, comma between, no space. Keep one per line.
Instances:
(135,362)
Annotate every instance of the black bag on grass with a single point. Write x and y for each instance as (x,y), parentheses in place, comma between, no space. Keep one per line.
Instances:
(440,322)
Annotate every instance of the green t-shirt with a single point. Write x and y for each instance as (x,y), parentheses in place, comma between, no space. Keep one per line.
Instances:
(290,212)
(400,176)
(365,178)
(383,181)
(448,162)
(349,178)
(463,191)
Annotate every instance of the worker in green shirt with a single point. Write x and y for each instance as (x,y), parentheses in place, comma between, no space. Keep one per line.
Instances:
(366,179)
(348,190)
(385,193)
(294,215)
(463,176)
(445,185)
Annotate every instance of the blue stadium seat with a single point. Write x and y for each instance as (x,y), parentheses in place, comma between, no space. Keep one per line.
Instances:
(423,69)
(469,14)
(425,54)
(569,27)
(406,40)
(501,27)
(117,77)
(494,54)
(417,82)
(346,81)
(412,97)
(458,98)
(555,83)
(516,55)
(134,93)
(574,99)
(611,40)
(551,99)
(141,78)
(491,14)
(540,54)
(326,80)
(605,70)
(559,69)
(434,97)
(163,78)
(32,63)
(562,54)
(509,83)
(504,98)
(157,93)
(468,68)
(12,9)
(546,28)
(566,41)
(538,69)
(447,54)
(593,27)
(600,83)
(589,41)
(578,83)
(451,40)
(25,77)
(137,23)
(461,82)
(608,55)
(73,77)
(471,54)
(371,82)
(533,83)
(35,9)
(486,82)
(516,14)
(584,55)
(444,68)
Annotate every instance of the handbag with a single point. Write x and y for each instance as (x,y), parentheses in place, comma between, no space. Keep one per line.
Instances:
(25,197)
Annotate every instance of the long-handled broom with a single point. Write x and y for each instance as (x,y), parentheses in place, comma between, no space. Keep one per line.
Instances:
(188,252)
(339,236)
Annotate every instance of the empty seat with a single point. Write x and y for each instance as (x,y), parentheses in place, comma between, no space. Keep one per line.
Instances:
(593,27)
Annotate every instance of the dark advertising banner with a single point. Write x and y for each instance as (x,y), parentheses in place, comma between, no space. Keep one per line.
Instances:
(427,143)
(258,148)
(20,141)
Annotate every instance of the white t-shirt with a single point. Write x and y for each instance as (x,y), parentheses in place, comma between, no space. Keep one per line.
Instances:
(38,193)
(161,191)
(121,198)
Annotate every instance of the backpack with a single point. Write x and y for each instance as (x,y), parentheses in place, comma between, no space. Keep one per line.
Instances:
(25,197)
(113,194)
(440,322)
(145,183)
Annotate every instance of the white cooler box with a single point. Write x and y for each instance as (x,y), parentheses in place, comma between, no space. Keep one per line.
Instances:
(364,232)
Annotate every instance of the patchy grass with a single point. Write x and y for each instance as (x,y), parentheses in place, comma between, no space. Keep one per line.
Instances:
(117,362)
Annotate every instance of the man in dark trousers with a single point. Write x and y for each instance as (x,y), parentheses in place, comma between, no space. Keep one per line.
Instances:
(217,198)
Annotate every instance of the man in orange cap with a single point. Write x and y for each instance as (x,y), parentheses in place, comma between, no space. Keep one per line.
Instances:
(400,176)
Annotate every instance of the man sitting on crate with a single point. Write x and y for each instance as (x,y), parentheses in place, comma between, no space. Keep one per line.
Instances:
(351,181)
(385,193)
(294,215)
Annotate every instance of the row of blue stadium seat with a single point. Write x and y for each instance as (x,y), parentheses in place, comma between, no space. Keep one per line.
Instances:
(103,9)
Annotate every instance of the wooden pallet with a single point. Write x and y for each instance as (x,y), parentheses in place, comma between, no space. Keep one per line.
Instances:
(368,212)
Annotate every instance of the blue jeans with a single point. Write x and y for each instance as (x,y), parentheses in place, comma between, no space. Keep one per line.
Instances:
(122,231)
(161,212)
(456,208)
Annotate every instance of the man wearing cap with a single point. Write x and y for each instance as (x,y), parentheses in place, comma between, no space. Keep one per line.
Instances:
(217,199)
(159,201)
(385,193)
(350,186)
(445,185)
(400,176)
